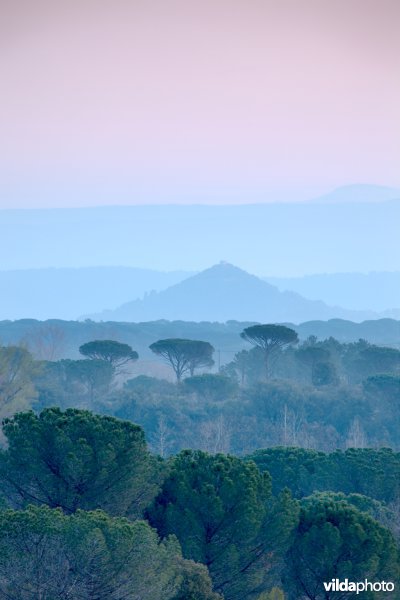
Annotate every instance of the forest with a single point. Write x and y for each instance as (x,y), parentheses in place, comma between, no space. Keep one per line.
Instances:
(219,481)
(199,300)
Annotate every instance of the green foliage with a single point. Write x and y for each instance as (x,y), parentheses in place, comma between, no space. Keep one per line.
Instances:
(316,357)
(46,554)
(268,336)
(221,508)
(369,472)
(144,385)
(78,383)
(378,510)
(271,339)
(311,355)
(83,380)
(247,366)
(75,459)
(300,470)
(387,387)
(212,387)
(115,353)
(361,360)
(324,373)
(222,512)
(184,356)
(272,413)
(274,594)
(335,540)
(196,583)
(95,375)
(268,399)
(380,359)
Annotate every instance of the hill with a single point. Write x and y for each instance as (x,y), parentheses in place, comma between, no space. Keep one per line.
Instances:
(225,292)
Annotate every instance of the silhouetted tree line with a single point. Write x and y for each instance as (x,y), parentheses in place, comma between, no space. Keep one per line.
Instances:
(317,394)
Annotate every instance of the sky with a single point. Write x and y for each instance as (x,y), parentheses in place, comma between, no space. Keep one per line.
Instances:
(218,101)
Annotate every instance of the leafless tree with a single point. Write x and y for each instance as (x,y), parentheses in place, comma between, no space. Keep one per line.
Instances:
(215,436)
(356,437)
(161,440)
(46,342)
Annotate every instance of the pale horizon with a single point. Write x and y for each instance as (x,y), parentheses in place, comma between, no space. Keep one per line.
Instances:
(214,103)
(352,193)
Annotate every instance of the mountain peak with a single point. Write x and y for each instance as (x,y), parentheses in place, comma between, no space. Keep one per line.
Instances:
(220,293)
(224,267)
(359,193)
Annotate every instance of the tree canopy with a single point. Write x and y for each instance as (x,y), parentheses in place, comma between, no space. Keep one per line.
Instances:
(211,386)
(222,512)
(270,338)
(75,459)
(46,554)
(184,356)
(335,540)
(113,352)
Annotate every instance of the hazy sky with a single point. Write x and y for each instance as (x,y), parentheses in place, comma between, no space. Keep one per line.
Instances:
(187,100)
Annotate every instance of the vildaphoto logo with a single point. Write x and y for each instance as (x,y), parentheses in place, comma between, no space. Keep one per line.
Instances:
(335,585)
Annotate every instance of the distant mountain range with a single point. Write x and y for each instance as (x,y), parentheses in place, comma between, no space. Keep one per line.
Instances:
(222,293)
(379,292)
(359,193)
(69,293)
(354,229)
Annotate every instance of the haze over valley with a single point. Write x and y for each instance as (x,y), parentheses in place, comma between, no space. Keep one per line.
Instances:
(339,253)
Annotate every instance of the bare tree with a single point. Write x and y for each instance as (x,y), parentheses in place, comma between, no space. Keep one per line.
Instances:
(46,342)
(161,439)
(292,424)
(17,370)
(215,436)
(356,437)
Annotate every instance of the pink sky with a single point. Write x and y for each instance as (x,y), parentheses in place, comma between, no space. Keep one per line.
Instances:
(213,100)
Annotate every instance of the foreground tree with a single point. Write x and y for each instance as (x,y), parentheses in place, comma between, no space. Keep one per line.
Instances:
(115,353)
(75,459)
(183,355)
(271,339)
(299,469)
(221,510)
(46,555)
(274,594)
(335,540)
